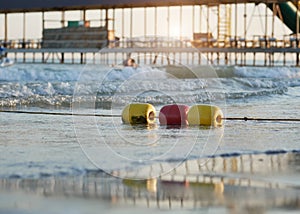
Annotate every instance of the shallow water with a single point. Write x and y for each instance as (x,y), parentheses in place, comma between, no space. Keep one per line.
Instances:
(41,150)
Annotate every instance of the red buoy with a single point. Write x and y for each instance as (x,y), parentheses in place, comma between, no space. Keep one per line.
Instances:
(174,114)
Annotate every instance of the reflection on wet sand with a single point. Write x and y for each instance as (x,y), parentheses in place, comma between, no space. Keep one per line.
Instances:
(248,183)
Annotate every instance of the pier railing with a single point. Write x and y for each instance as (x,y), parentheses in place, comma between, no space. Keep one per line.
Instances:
(256,51)
(21,44)
(257,41)
(126,43)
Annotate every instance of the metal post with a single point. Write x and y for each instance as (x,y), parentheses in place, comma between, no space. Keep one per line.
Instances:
(131,21)
(106,19)
(106,27)
(180,28)
(168,18)
(155,22)
(84,15)
(62,57)
(266,20)
(266,32)
(24,31)
(81,58)
(62,19)
(145,21)
(207,27)
(297,19)
(245,24)
(101,18)
(5,29)
(235,33)
(193,19)
(43,20)
(297,33)
(273,19)
(123,23)
(113,21)
(236,24)
(219,22)
(200,19)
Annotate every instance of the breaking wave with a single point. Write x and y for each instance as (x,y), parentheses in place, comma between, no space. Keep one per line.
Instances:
(54,85)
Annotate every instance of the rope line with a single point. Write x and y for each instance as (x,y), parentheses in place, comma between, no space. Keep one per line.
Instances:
(262,119)
(115,115)
(60,113)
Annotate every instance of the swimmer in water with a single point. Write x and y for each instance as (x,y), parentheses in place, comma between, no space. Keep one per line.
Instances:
(130,63)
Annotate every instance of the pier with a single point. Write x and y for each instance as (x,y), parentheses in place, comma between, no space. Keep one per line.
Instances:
(208,32)
(168,56)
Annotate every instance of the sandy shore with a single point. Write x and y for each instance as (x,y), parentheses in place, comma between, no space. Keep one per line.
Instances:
(260,183)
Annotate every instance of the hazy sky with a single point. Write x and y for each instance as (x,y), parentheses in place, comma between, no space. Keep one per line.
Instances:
(255,22)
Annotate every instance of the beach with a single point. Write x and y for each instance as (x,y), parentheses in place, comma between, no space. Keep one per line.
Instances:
(68,163)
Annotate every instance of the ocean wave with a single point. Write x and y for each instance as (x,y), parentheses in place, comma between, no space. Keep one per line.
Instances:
(38,88)
(37,101)
(258,93)
(60,85)
(39,73)
(267,72)
(63,94)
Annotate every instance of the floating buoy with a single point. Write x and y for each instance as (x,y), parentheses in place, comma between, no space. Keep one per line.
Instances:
(173,115)
(138,113)
(207,115)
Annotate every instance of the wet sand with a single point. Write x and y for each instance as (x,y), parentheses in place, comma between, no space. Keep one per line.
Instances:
(254,183)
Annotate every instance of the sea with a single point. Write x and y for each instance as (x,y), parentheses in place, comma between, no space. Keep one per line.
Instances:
(65,149)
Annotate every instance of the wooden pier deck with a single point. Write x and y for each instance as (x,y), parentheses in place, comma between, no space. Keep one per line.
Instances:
(183,54)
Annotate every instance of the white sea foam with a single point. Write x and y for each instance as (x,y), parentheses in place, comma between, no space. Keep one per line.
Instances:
(36,84)
(267,72)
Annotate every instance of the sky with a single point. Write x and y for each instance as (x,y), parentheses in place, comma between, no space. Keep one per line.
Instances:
(166,24)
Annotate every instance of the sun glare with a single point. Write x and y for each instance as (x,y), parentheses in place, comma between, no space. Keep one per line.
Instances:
(174,31)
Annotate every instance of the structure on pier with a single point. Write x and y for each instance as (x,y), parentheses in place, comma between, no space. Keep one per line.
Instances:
(113,32)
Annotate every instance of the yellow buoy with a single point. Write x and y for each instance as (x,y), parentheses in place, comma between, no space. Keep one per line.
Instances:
(138,113)
(207,115)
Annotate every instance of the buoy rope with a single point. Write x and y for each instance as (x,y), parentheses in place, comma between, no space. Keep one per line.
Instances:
(262,119)
(116,115)
(60,113)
